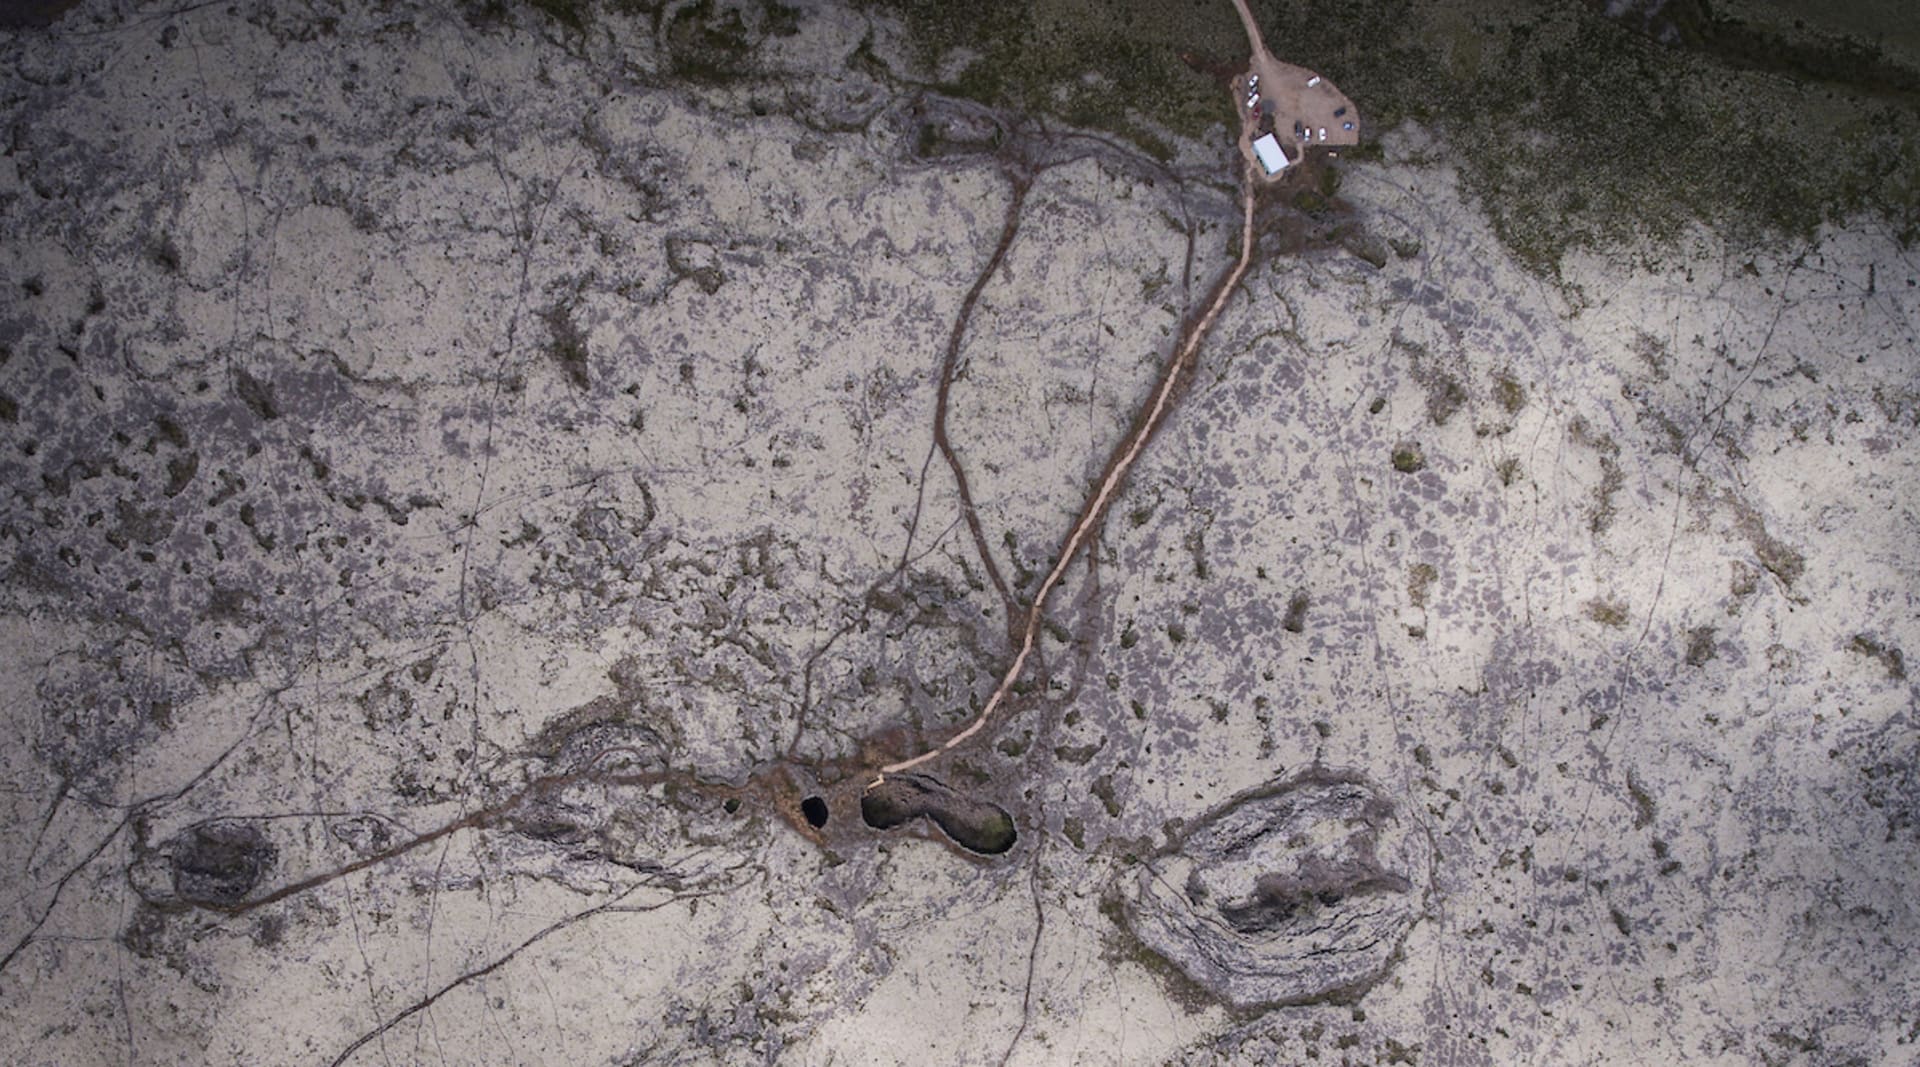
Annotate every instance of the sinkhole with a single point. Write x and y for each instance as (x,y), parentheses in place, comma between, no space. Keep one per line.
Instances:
(815,809)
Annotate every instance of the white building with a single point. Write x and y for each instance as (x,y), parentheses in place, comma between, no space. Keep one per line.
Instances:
(1267,148)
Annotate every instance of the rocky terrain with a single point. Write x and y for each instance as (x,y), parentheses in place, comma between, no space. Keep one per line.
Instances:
(474,520)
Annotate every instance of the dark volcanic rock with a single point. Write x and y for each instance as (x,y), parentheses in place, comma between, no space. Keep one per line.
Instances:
(218,863)
(975,825)
(1300,890)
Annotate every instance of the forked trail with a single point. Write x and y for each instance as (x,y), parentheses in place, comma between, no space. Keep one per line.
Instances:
(1151,416)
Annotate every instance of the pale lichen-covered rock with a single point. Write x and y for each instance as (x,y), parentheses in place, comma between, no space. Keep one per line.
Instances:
(471,525)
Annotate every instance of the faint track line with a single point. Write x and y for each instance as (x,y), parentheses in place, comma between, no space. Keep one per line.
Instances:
(1151,418)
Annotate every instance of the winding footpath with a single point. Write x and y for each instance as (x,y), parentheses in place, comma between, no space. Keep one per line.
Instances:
(1152,416)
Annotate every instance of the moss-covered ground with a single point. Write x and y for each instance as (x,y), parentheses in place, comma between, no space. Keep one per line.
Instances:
(1574,130)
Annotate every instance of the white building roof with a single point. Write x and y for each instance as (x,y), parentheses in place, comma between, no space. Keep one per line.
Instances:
(1267,148)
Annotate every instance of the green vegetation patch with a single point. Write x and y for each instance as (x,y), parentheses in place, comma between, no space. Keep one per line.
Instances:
(1573,130)
(1116,65)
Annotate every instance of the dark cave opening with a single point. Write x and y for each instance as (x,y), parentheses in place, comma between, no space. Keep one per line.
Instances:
(815,809)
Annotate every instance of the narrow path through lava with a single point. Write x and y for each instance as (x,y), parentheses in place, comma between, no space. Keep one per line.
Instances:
(1151,417)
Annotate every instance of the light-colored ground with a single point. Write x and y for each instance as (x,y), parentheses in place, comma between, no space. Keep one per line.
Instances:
(382,391)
